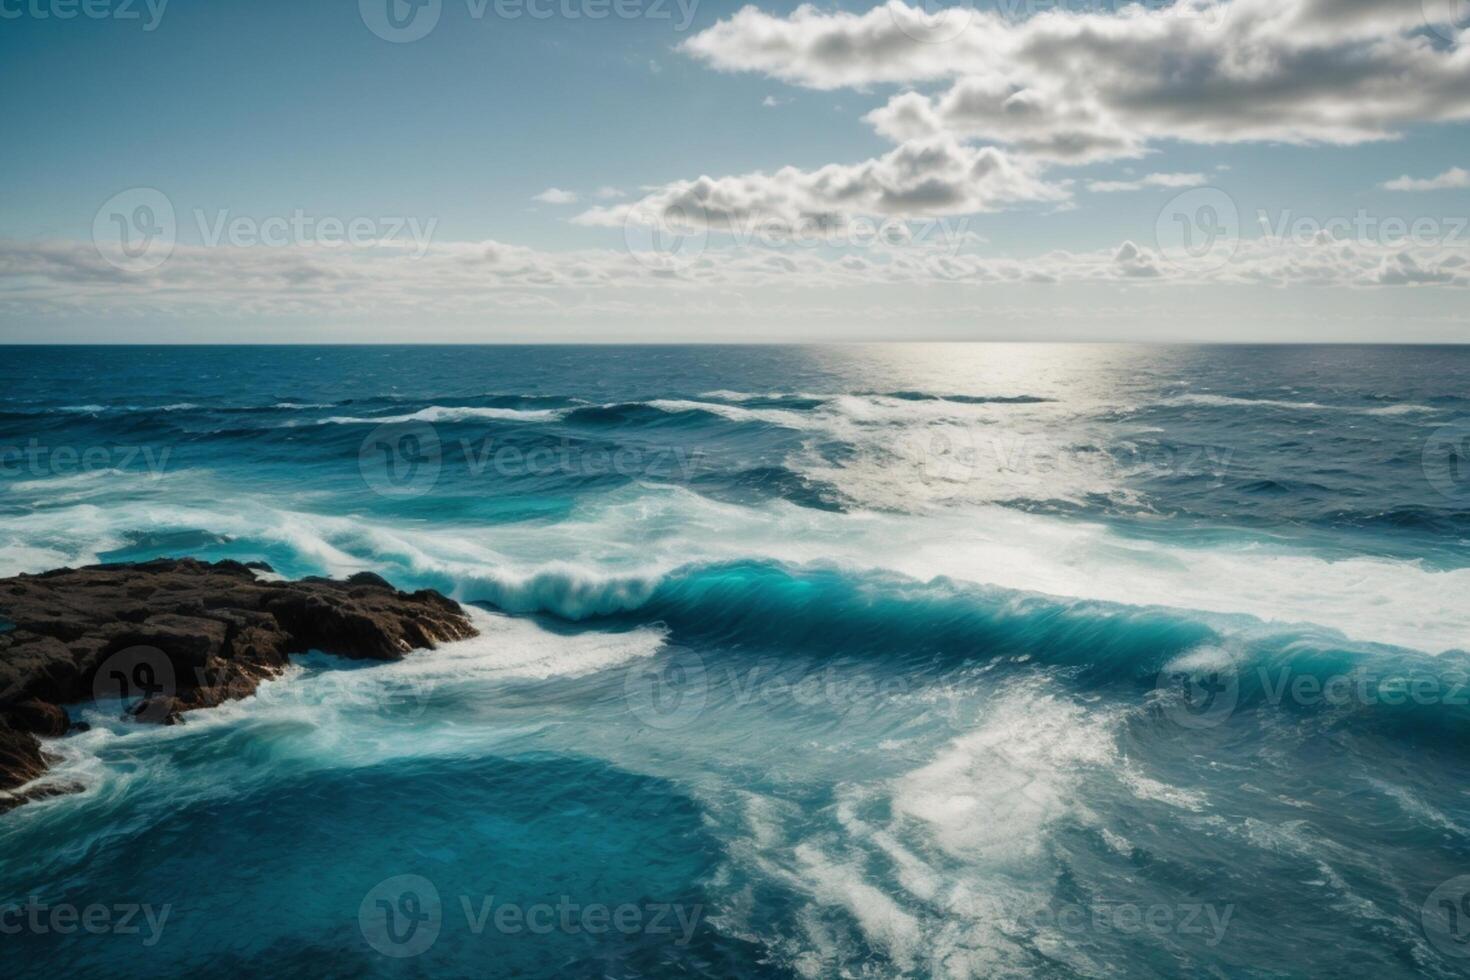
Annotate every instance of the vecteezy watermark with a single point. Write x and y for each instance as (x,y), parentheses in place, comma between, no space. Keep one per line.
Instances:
(326,231)
(1208,920)
(400,459)
(1203,689)
(1199,229)
(568,458)
(38,918)
(141,677)
(406,459)
(932,21)
(665,236)
(136,230)
(958,455)
(1446,460)
(145,680)
(671,691)
(1447,18)
(1445,917)
(148,13)
(403,916)
(38,460)
(1363,227)
(668,693)
(405,21)
(1199,690)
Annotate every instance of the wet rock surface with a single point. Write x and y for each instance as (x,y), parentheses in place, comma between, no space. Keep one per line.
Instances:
(173,635)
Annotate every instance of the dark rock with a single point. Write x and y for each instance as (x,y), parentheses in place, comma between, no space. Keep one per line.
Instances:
(20,757)
(37,716)
(173,635)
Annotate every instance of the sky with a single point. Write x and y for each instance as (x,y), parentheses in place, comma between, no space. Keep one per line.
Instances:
(694,170)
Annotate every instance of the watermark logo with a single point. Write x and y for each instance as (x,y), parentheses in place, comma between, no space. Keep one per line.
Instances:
(39,918)
(1445,917)
(400,459)
(148,12)
(932,21)
(1199,229)
(403,917)
(136,229)
(665,237)
(300,228)
(1363,227)
(142,677)
(1446,460)
(1198,692)
(37,460)
(400,917)
(400,21)
(668,693)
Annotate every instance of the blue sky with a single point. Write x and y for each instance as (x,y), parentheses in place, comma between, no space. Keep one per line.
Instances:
(272,109)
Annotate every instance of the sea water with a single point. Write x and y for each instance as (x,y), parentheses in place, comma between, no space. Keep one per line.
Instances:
(929,661)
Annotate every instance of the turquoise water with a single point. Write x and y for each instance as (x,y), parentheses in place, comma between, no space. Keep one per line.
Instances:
(990,660)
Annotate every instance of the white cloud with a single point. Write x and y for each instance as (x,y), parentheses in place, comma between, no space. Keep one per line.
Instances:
(60,279)
(1451,179)
(609,193)
(1084,86)
(921,177)
(555,195)
(1149,180)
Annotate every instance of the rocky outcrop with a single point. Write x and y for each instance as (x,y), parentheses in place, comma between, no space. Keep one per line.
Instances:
(168,636)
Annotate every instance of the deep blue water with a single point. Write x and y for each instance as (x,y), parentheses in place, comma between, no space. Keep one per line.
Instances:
(930,660)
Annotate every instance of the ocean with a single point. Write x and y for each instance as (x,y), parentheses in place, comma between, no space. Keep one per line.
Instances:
(847,661)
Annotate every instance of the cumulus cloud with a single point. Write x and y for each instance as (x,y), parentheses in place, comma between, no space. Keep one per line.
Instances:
(995,103)
(1451,179)
(1081,86)
(1148,180)
(555,195)
(918,178)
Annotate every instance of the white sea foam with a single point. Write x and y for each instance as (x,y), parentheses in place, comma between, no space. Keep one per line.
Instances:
(1151,789)
(518,648)
(772,416)
(335,713)
(1415,807)
(609,555)
(883,921)
(1227,401)
(441,413)
(992,794)
(1401,410)
(63,482)
(726,395)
